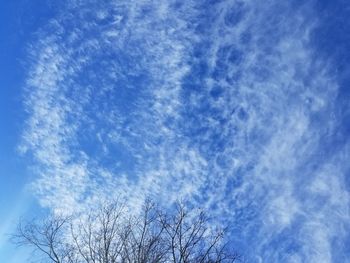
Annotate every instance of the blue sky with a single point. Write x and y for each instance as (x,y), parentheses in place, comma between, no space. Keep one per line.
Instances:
(240,107)
(17,26)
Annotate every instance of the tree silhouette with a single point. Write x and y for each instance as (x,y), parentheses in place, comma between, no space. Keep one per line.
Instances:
(110,234)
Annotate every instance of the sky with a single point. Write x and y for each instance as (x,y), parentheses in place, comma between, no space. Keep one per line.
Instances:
(240,107)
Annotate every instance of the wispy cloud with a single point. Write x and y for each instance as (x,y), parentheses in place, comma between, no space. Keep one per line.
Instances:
(224,104)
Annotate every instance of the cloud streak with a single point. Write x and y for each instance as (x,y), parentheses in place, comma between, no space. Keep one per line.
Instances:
(223,104)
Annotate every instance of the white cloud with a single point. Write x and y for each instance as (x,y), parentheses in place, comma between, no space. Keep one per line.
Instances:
(112,113)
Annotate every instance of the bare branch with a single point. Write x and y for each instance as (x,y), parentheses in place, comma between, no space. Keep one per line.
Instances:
(110,235)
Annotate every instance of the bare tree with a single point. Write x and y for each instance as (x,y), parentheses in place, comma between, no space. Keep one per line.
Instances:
(46,237)
(100,236)
(191,240)
(145,242)
(111,235)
